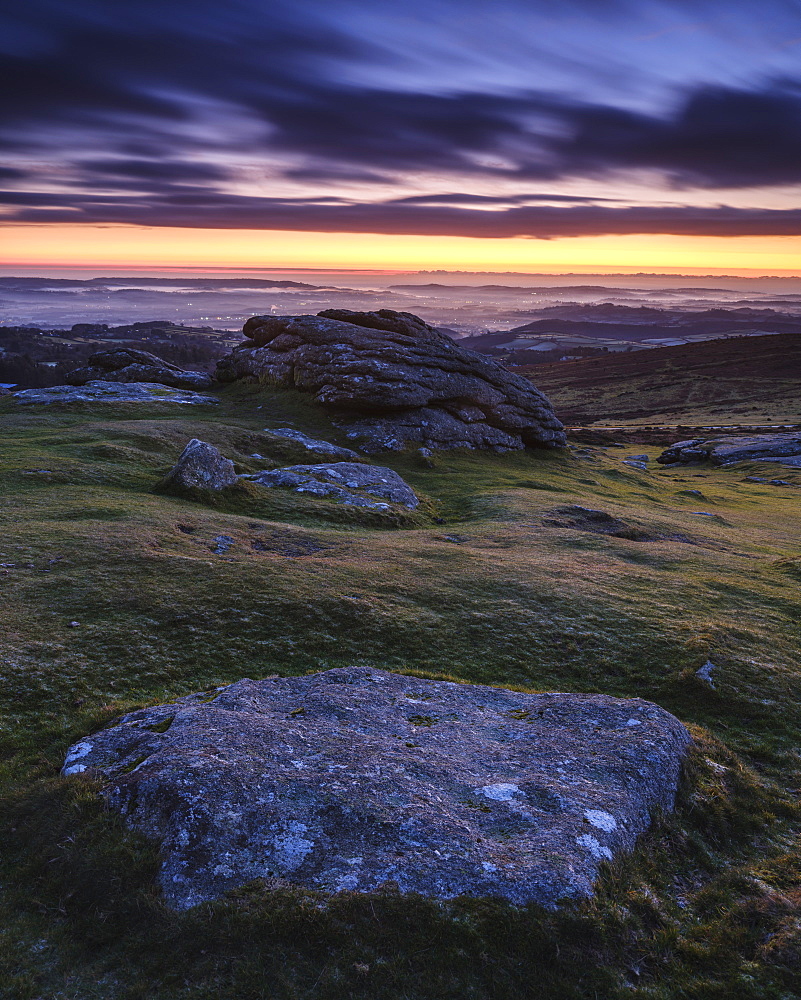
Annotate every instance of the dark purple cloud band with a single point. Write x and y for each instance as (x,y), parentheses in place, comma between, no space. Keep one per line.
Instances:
(201,209)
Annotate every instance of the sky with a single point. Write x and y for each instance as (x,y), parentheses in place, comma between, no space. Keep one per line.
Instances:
(464,134)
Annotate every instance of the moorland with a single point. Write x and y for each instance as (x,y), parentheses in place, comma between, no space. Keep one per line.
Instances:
(116,597)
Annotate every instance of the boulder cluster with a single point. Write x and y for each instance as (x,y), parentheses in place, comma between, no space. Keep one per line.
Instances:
(201,466)
(393,380)
(127,365)
(779,447)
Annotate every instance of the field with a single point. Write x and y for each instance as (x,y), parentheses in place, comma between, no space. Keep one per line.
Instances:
(114,597)
(741,380)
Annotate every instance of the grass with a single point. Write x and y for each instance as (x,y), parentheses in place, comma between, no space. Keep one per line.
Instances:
(708,906)
(742,381)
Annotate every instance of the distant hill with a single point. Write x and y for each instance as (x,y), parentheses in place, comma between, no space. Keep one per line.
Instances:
(737,380)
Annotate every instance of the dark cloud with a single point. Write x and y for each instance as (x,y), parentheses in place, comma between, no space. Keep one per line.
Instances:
(336,174)
(149,98)
(179,171)
(451,198)
(718,138)
(193,207)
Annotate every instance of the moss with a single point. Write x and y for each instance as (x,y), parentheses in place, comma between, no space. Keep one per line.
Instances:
(423,720)
(162,727)
(136,762)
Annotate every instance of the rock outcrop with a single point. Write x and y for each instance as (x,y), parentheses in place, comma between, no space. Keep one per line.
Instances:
(728,450)
(395,380)
(127,365)
(199,466)
(113,392)
(353,778)
(347,482)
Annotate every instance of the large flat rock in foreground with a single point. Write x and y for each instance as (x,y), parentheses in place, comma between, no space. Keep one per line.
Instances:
(352,778)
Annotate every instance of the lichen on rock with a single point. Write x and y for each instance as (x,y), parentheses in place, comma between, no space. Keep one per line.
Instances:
(353,778)
(347,482)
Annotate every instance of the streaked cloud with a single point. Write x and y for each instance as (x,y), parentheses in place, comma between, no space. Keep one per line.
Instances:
(305,115)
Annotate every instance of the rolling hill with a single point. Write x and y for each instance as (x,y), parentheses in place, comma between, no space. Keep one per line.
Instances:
(738,380)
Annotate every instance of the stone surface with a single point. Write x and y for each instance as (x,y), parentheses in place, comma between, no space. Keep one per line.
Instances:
(313,444)
(113,392)
(199,466)
(791,461)
(728,450)
(127,365)
(352,778)
(704,673)
(395,380)
(347,482)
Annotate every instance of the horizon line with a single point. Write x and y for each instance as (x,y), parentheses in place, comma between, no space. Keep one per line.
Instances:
(621,272)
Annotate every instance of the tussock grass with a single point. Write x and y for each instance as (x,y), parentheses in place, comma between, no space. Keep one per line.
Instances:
(708,905)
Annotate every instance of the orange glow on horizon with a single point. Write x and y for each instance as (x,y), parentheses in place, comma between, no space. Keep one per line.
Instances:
(119,246)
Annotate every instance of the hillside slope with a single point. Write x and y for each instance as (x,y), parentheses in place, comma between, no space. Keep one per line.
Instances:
(116,597)
(747,380)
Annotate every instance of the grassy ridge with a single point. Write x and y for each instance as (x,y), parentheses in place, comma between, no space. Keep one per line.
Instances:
(707,906)
(740,380)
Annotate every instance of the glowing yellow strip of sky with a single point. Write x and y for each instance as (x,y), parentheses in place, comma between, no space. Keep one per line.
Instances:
(137,246)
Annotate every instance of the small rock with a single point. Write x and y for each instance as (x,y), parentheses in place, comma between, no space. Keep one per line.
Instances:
(635,465)
(313,444)
(784,447)
(199,466)
(636,458)
(73,624)
(599,522)
(347,482)
(704,673)
(222,543)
